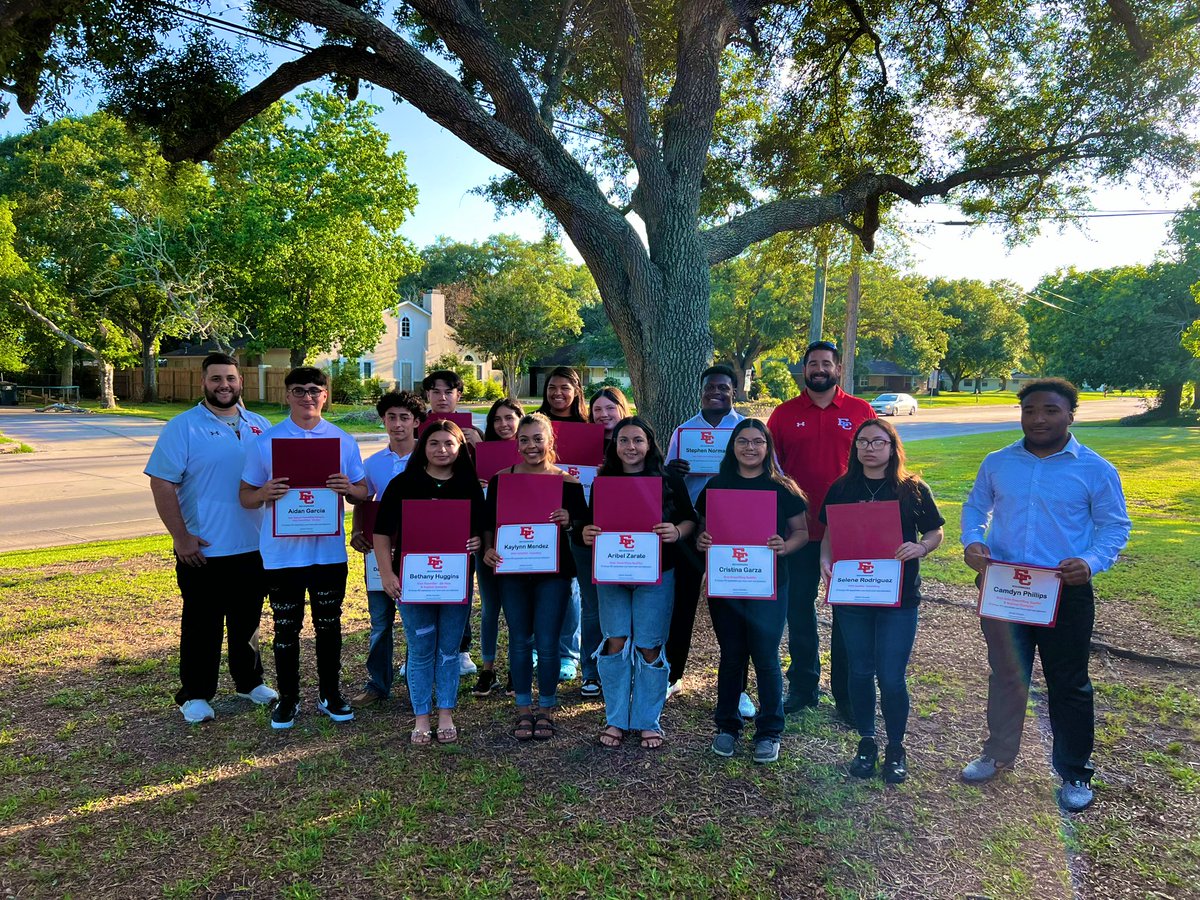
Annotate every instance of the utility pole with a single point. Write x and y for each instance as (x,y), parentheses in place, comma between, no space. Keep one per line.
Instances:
(818,307)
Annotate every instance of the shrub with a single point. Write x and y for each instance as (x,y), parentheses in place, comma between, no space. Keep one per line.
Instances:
(493,391)
(777,380)
(345,386)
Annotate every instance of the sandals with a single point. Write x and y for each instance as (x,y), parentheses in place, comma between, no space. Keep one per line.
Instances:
(420,736)
(523,730)
(611,737)
(652,740)
(543,727)
(447,735)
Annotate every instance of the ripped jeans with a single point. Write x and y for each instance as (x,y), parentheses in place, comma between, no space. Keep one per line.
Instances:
(634,689)
(433,632)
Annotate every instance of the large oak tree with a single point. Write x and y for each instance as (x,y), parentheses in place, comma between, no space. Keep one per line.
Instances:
(719,123)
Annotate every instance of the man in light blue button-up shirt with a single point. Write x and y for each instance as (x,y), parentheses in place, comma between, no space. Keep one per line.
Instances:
(1048,501)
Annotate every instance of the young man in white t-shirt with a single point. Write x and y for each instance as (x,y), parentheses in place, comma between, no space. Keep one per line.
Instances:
(315,565)
(402,412)
(194,472)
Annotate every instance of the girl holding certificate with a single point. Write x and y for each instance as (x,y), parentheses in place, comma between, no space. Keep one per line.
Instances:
(607,407)
(501,425)
(534,604)
(751,628)
(635,618)
(439,469)
(879,640)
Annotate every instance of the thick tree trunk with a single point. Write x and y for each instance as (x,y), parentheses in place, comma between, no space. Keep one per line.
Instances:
(1196,395)
(1170,398)
(512,378)
(149,369)
(108,396)
(741,372)
(66,366)
(296,360)
(955,380)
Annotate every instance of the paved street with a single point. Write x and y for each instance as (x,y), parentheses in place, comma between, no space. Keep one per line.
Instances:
(85,483)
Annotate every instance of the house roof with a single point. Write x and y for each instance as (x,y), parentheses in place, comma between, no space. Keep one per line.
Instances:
(410,305)
(571,354)
(885,367)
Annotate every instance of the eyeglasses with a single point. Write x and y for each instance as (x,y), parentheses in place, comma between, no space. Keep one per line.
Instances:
(874,444)
(300,393)
(756,443)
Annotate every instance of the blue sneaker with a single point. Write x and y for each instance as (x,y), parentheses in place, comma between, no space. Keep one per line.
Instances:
(724,744)
(1076,796)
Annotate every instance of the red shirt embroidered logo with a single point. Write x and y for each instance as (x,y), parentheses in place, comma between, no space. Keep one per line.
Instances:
(626,541)
(1022,577)
(740,554)
(707,437)
(435,562)
(527,532)
(866,567)
(307,497)
(845,424)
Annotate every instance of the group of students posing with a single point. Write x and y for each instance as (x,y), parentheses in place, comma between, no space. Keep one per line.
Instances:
(822,448)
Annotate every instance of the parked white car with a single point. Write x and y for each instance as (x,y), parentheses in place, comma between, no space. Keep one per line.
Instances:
(895,405)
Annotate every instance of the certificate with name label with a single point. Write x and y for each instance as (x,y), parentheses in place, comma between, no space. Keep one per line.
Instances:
(741,571)
(371,568)
(633,557)
(1014,592)
(865,582)
(307,512)
(530,549)
(703,448)
(585,475)
(434,578)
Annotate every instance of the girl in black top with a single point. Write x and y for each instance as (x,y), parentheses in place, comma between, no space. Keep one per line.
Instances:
(879,640)
(562,396)
(634,619)
(534,604)
(439,469)
(752,629)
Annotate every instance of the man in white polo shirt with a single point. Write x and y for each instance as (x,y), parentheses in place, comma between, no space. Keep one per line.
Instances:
(194,471)
(309,564)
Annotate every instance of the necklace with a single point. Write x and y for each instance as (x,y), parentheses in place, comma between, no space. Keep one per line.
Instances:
(873,493)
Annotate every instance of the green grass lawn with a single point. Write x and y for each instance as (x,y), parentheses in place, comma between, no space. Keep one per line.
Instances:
(6,445)
(992,398)
(1159,569)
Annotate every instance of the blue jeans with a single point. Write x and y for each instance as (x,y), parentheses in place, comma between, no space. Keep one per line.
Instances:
(568,638)
(433,631)
(534,607)
(489,617)
(634,689)
(879,643)
(589,612)
(380,649)
(750,630)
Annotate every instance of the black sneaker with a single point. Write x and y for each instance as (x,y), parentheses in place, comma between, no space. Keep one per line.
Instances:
(508,688)
(336,708)
(794,703)
(284,712)
(590,688)
(485,683)
(863,765)
(895,764)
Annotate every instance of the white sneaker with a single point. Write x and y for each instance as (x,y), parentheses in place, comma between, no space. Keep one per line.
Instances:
(403,670)
(675,687)
(466,666)
(262,695)
(197,711)
(746,707)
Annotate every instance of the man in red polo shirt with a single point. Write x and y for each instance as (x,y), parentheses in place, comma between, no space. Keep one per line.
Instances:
(813,434)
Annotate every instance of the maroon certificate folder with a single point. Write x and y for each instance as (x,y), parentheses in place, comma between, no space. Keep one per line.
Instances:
(864,530)
(741,517)
(305,462)
(578,443)
(527,499)
(461,419)
(366,512)
(493,456)
(435,526)
(627,503)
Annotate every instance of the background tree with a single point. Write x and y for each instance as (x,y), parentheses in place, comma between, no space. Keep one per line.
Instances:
(1184,249)
(718,122)
(312,201)
(987,334)
(1121,327)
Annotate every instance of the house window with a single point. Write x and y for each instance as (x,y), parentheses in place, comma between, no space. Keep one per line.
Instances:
(366,369)
(405,328)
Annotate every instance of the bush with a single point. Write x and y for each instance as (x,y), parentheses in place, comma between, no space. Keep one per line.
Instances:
(777,380)
(493,391)
(345,386)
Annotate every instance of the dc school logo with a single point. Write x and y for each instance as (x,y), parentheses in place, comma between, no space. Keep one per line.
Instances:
(435,562)
(740,554)
(255,429)
(573,471)
(1022,577)
(627,541)
(707,437)
(845,424)
(867,567)
(306,497)
(527,532)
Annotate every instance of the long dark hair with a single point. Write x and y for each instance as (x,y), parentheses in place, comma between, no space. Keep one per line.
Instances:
(654,458)
(463,464)
(729,463)
(895,474)
(489,433)
(578,411)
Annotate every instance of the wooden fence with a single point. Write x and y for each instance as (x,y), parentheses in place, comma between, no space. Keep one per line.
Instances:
(185,385)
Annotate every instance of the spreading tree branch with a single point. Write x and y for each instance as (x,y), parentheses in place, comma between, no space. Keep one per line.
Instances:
(1122,13)
(639,133)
